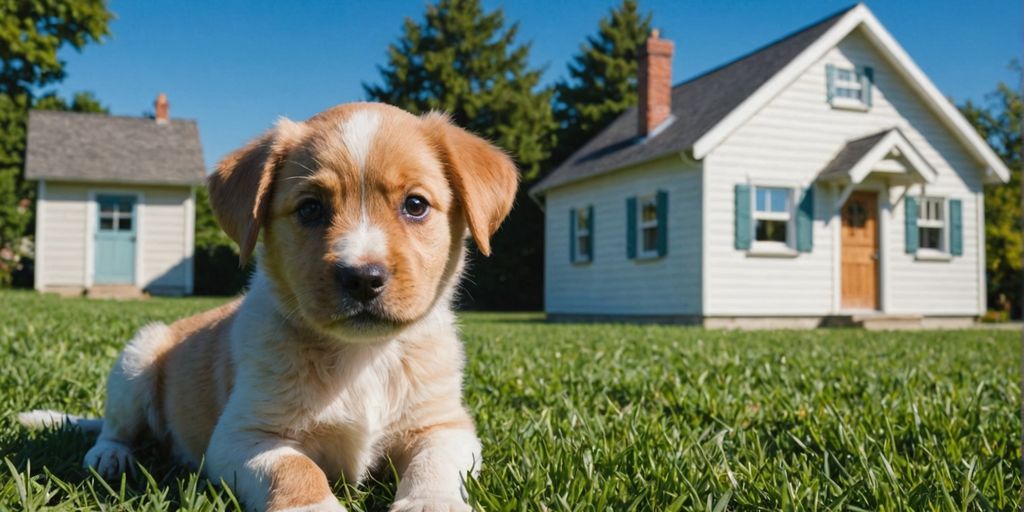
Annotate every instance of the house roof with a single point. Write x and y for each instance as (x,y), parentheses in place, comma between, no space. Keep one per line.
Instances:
(854,151)
(72,146)
(708,108)
(860,157)
(697,106)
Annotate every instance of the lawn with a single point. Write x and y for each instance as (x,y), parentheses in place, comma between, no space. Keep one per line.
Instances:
(599,417)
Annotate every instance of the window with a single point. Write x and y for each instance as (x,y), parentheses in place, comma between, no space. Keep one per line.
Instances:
(773,215)
(115,215)
(847,85)
(931,224)
(850,88)
(582,240)
(648,226)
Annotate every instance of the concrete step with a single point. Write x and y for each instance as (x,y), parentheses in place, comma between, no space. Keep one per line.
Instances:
(114,291)
(878,322)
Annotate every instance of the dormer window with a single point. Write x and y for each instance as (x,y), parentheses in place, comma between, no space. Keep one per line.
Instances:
(849,87)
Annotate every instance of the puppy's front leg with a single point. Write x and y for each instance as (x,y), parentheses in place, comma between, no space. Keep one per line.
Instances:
(268,473)
(434,462)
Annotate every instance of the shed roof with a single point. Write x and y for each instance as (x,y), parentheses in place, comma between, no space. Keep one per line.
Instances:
(73,146)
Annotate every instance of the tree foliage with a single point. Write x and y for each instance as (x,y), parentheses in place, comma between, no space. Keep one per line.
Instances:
(31,33)
(999,122)
(466,62)
(602,78)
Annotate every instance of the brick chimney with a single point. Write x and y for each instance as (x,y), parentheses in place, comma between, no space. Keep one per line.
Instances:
(162,108)
(654,83)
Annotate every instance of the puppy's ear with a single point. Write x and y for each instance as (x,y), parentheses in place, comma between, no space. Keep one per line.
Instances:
(482,176)
(240,187)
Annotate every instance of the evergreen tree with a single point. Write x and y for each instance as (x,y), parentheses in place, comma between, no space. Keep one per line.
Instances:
(31,34)
(1000,124)
(602,78)
(464,61)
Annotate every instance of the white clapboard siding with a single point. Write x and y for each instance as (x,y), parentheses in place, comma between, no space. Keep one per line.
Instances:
(612,284)
(162,238)
(65,209)
(164,261)
(791,140)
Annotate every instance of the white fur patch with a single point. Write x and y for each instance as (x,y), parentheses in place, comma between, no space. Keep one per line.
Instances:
(358,132)
(364,244)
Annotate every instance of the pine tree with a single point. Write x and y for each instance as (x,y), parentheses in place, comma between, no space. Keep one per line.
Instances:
(464,61)
(602,78)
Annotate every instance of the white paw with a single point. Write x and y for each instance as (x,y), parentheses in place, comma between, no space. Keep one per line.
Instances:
(110,459)
(431,504)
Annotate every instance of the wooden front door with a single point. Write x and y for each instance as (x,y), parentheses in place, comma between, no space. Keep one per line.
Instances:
(860,251)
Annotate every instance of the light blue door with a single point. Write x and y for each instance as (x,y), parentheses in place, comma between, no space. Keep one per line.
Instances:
(115,240)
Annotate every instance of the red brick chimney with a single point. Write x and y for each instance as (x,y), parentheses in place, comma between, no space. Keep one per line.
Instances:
(654,83)
(162,108)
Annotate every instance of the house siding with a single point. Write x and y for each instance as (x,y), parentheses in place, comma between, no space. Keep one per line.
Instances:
(163,240)
(612,284)
(790,141)
(65,208)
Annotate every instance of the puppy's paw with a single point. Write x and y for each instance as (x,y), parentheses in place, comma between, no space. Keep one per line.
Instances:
(431,504)
(110,459)
(328,505)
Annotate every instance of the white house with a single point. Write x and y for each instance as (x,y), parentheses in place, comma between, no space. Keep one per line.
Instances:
(115,210)
(822,178)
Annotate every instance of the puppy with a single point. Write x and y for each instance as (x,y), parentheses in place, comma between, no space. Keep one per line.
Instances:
(344,351)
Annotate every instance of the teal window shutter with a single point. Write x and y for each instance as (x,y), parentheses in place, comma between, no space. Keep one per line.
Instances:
(956,228)
(830,80)
(867,82)
(743,230)
(590,229)
(572,235)
(631,228)
(662,223)
(805,222)
(910,224)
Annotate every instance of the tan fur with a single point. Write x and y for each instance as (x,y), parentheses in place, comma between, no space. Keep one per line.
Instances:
(281,390)
(295,481)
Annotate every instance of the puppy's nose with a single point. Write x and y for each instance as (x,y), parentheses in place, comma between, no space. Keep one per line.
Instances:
(363,283)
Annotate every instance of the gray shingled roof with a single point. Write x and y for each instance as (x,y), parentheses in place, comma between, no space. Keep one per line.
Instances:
(852,153)
(71,146)
(697,105)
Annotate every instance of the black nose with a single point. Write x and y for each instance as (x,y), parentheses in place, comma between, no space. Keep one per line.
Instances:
(363,283)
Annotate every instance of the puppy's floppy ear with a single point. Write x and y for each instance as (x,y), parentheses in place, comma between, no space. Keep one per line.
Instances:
(240,187)
(482,176)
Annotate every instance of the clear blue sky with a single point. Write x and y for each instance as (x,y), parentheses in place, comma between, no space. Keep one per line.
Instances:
(236,66)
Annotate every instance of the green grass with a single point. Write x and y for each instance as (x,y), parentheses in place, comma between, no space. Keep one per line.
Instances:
(600,417)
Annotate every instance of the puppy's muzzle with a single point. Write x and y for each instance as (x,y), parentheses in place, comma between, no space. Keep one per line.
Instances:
(363,283)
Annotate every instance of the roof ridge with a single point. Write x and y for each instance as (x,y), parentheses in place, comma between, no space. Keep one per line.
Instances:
(105,116)
(766,46)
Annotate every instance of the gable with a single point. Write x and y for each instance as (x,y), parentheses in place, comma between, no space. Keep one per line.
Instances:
(856,24)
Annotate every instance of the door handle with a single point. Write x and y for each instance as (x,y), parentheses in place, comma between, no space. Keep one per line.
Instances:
(874,256)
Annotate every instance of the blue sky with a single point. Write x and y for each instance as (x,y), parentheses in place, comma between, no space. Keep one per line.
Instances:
(236,66)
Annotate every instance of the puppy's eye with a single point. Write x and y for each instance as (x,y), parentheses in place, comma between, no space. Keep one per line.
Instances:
(310,211)
(415,207)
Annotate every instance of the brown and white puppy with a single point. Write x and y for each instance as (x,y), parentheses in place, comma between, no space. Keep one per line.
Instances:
(344,351)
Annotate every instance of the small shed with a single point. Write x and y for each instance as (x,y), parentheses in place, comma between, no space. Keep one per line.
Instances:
(115,209)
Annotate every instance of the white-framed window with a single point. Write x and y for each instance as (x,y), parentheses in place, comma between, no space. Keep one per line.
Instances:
(850,87)
(773,216)
(931,224)
(583,241)
(647,226)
